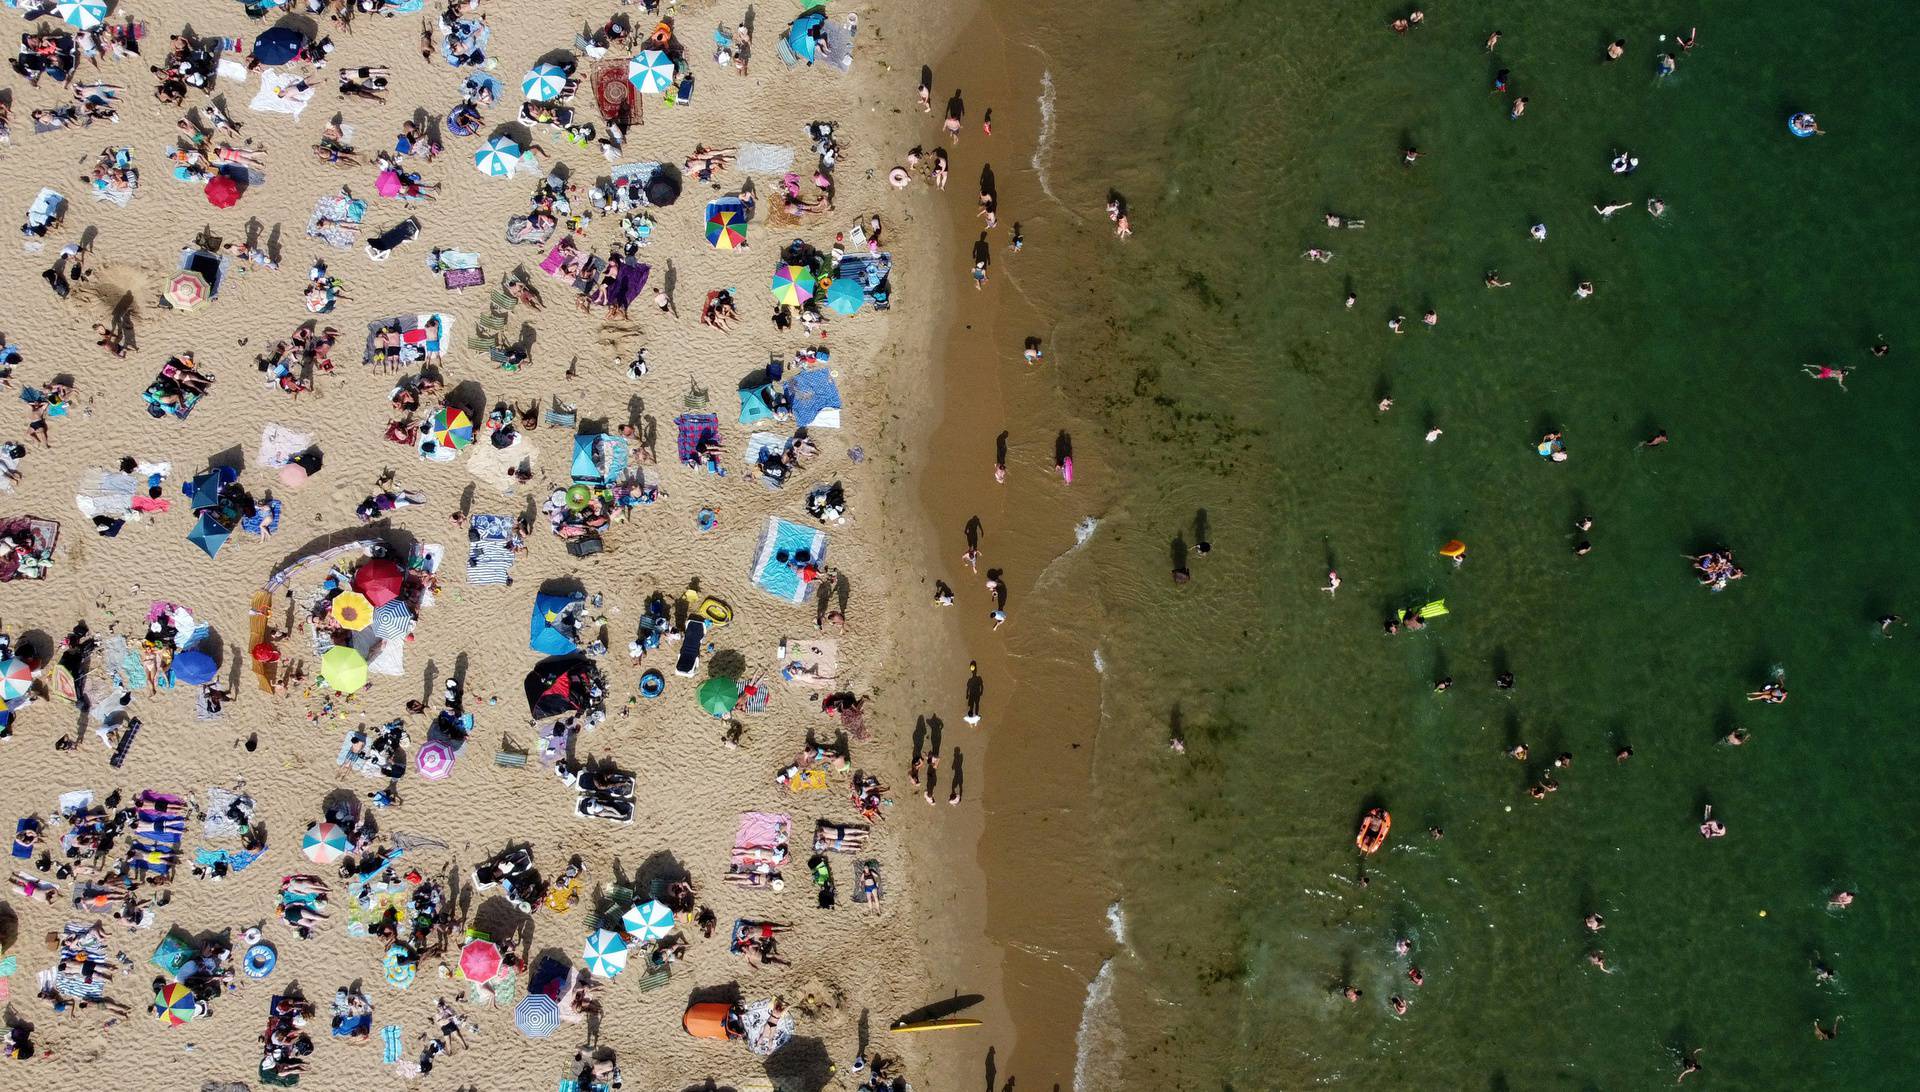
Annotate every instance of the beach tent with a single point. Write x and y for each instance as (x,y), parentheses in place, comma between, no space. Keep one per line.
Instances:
(558,687)
(551,631)
(707,1020)
(209,534)
(815,398)
(782,542)
(599,459)
(800,33)
(754,404)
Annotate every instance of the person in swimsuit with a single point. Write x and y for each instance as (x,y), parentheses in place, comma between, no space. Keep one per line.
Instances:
(1827,371)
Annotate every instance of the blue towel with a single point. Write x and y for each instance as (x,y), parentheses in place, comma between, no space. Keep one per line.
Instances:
(390,1035)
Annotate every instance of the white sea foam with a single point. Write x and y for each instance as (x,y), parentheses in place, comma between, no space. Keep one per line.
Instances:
(1097,1043)
(1099,662)
(1043,144)
(1117,924)
(1084,530)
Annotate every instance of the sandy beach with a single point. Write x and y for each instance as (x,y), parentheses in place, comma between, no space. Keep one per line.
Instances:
(853,971)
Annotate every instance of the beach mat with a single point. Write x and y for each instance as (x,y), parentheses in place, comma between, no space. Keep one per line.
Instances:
(765,158)
(131,729)
(390,1044)
(337,208)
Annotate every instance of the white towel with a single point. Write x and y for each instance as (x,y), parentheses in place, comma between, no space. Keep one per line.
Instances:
(271,101)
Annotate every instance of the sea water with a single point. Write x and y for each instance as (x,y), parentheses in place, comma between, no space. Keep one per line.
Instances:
(1231,388)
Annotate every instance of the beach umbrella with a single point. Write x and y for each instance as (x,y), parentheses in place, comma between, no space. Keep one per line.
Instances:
(293,475)
(726,227)
(325,843)
(16,678)
(792,284)
(651,71)
(392,619)
(83,14)
(434,760)
(343,669)
(399,967)
(187,290)
(648,921)
(845,295)
(498,158)
(537,1016)
(278,46)
(379,580)
(480,961)
(350,610)
(195,668)
(222,192)
(209,534)
(176,1003)
(387,184)
(451,428)
(606,953)
(718,695)
(544,83)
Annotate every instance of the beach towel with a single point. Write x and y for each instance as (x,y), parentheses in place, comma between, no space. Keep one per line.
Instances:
(811,664)
(761,839)
(107,493)
(490,554)
(120,196)
(781,542)
(279,444)
(761,443)
(228,68)
(837,53)
(815,398)
(764,158)
(218,824)
(390,1040)
(453,259)
(522,231)
(692,428)
(417,339)
(630,183)
(342,210)
(265,519)
(48,206)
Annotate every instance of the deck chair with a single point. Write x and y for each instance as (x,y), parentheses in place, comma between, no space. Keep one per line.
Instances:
(493,323)
(482,341)
(697,396)
(560,414)
(655,978)
(689,660)
(516,760)
(501,301)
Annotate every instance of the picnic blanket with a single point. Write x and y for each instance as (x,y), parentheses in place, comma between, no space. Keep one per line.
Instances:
(760,841)
(815,398)
(37,538)
(416,339)
(107,493)
(754,158)
(490,554)
(279,444)
(630,183)
(218,824)
(693,428)
(760,443)
(342,210)
(278,94)
(811,663)
(522,231)
(783,541)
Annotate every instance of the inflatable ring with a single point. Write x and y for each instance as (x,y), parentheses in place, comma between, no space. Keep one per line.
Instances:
(898,176)
(260,960)
(652,684)
(1802,125)
(578,496)
(1454,548)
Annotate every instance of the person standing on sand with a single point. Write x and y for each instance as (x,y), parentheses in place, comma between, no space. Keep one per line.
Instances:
(974,690)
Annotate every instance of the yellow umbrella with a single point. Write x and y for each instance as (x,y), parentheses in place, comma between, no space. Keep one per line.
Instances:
(351,610)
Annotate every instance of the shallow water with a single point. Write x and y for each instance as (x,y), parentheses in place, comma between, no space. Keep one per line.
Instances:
(1230,379)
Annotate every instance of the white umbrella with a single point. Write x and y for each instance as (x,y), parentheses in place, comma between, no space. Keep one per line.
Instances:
(648,921)
(651,71)
(606,953)
(84,14)
(544,83)
(499,158)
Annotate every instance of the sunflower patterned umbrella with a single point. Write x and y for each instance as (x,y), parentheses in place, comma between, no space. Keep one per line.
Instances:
(350,610)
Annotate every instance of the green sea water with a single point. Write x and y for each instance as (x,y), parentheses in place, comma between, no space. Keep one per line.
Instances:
(1233,381)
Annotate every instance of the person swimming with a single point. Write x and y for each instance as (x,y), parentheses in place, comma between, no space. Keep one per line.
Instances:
(1624,163)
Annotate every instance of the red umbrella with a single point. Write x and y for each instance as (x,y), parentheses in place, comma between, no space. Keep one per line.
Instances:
(222,192)
(379,580)
(480,961)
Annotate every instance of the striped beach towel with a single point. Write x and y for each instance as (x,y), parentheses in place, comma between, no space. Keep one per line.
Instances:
(390,1040)
(489,549)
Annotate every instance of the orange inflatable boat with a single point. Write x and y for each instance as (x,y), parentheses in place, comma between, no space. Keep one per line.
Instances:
(1373,830)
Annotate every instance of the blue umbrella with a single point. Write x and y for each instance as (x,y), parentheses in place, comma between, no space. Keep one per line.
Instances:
(544,83)
(204,491)
(537,1016)
(209,534)
(278,46)
(392,619)
(498,158)
(194,668)
(651,71)
(845,295)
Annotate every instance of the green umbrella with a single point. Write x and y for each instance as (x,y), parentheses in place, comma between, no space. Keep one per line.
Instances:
(343,669)
(717,695)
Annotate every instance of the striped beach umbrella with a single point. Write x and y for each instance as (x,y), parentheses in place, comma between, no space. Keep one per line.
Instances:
(187,290)
(16,678)
(537,1016)
(343,669)
(399,967)
(606,953)
(651,71)
(792,284)
(350,610)
(726,226)
(325,843)
(544,83)
(498,158)
(176,1003)
(648,921)
(451,428)
(83,14)
(392,620)
(434,760)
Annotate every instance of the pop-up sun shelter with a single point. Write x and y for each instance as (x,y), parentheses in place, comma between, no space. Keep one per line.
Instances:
(599,460)
(555,624)
(558,687)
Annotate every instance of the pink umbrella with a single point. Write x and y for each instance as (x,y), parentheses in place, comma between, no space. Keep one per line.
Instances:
(434,760)
(293,475)
(388,184)
(480,961)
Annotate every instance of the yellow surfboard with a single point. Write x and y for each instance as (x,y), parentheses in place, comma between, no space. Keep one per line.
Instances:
(935,1025)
